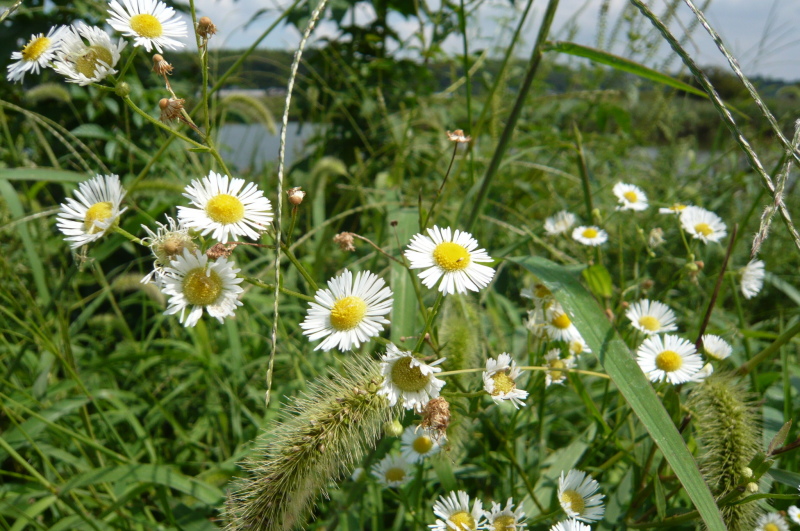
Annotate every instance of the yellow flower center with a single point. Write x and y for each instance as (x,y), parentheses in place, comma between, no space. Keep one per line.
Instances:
(631,196)
(422,445)
(677,207)
(91,58)
(97,212)
(173,246)
(703,229)
(451,256)
(556,364)
(573,500)
(669,361)
(589,233)
(576,347)
(347,313)
(771,527)
(200,288)
(407,378)
(224,208)
(541,291)
(146,25)
(395,474)
(503,383)
(463,520)
(35,48)
(648,322)
(504,523)
(561,321)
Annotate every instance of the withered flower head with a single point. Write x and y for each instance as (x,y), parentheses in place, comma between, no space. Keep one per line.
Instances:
(458,136)
(220,250)
(345,241)
(205,28)
(436,417)
(171,108)
(160,65)
(296,195)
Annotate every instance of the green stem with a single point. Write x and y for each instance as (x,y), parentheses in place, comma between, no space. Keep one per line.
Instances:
(293,259)
(508,131)
(526,368)
(439,192)
(256,282)
(129,236)
(769,351)
(429,322)
(161,125)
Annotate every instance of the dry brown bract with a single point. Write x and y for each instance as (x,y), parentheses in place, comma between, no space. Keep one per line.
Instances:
(436,417)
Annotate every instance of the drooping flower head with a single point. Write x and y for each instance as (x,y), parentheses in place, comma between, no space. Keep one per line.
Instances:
(499,518)
(559,223)
(406,377)
(392,471)
(349,312)
(500,380)
(675,209)
(670,358)
(630,197)
(452,257)
(703,224)
(84,63)
(225,209)
(418,443)
(94,213)
(752,278)
(577,494)
(151,23)
(715,347)
(166,244)
(456,514)
(651,317)
(197,284)
(37,54)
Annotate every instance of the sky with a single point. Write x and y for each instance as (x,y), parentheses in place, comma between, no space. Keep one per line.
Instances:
(761,34)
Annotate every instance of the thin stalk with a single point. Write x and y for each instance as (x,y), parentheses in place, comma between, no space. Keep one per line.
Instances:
(256,282)
(462,22)
(767,352)
(161,125)
(526,368)
(429,321)
(699,341)
(128,235)
(441,187)
(584,171)
(508,131)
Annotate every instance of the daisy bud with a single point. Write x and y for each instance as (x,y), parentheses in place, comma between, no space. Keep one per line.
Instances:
(296,195)
(161,66)
(205,28)
(171,108)
(345,241)
(752,488)
(393,428)
(458,136)
(747,472)
(123,90)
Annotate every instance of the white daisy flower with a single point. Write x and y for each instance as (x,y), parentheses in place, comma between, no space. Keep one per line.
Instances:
(592,236)
(455,513)
(94,213)
(83,63)
(418,444)
(578,347)
(576,494)
(454,258)
(703,224)
(559,223)
(651,317)
(752,278)
(771,522)
(570,525)
(504,519)
(166,244)
(38,53)
(715,347)
(500,380)
(349,312)
(151,23)
(558,325)
(555,372)
(392,471)
(703,373)
(225,209)
(675,208)
(669,358)
(406,377)
(630,197)
(196,283)
(794,514)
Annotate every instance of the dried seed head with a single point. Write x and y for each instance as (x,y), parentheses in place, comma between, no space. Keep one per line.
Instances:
(345,241)
(458,136)
(219,250)
(171,108)
(436,417)
(161,66)
(296,195)
(205,28)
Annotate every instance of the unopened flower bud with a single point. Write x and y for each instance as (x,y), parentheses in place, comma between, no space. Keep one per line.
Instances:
(205,28)
(296,195)
(393,428)
(123,90)
(170,108)
(161,66)
(752,487)
(747,471)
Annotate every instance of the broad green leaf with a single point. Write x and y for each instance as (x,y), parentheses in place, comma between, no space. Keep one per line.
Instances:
(404,307)
(791,479)
(599,280)
(42,174)
(152,474)
(618,363)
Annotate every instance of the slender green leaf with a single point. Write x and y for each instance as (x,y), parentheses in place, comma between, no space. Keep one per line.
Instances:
(616,358)
(404,308)
(42,174)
